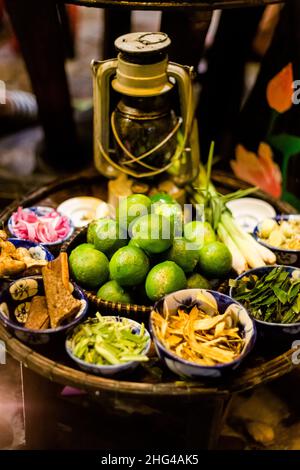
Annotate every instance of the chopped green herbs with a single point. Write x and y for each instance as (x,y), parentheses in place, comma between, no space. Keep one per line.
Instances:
(274,297)
(109,341)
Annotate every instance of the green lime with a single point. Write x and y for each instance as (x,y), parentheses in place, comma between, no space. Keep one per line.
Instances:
(89,267)
(129,266)
(196,281)
(90,232)
(215,260)
(200,233)
(152,233)
(113,292)
(92,228)
(172,212)
(133,242)
(183,254)
(131,207)
(83,247)
(163,279)
(154,258)
(162,198)
(109,236)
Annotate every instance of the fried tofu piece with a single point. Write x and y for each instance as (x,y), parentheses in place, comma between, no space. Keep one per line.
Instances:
(7,248)
(22,254)
(10,267)
(61,304)
(65,270)
(38,317)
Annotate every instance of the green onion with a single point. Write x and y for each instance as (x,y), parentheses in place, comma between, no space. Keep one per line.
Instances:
(239,262)
(245,250)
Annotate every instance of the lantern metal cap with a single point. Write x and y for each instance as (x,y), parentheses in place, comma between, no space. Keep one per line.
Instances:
(142,43)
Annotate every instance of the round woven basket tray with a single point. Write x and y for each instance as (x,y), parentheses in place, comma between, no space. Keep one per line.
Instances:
(53,363)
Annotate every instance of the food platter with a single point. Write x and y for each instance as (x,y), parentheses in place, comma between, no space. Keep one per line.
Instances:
(262,364)
(151,389)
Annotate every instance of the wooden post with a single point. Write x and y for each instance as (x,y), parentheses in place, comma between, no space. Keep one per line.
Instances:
(116,23)
(187,31)
(38,30)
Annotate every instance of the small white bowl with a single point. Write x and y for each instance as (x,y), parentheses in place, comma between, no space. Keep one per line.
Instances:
(83,209)
(249,211)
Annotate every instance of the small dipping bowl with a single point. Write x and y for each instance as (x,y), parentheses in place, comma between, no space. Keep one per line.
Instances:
(283,256)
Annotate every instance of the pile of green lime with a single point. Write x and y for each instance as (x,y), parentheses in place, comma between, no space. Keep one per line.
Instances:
(148,251)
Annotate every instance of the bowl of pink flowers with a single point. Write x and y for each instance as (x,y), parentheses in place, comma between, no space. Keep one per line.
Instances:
(40,224)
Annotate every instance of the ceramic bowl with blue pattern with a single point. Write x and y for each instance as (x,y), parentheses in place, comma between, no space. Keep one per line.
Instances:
(36,251)
(272,331)
(283,256)
(169,305)
(108,370)
(15,301)
(40,211)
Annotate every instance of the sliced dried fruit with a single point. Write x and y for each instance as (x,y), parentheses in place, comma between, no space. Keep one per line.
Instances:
(23,289)
(198,333)
(22,311)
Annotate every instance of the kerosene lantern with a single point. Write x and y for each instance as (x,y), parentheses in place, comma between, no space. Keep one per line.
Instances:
(144,112)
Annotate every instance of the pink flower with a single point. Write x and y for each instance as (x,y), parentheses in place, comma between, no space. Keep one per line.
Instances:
(259,170)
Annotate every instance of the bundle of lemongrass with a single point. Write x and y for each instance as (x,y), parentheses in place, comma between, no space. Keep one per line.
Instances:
(246,251)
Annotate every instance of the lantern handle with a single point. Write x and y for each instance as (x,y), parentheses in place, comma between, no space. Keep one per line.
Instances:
(127,170)
(183,76)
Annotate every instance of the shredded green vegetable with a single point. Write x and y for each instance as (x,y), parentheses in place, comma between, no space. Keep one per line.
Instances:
(109,341)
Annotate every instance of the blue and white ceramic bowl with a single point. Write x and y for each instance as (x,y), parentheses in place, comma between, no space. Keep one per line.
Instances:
(15,302)
(40,211)
(108,370)
(170,304)
(268,330)
(36,250)
(283,256)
